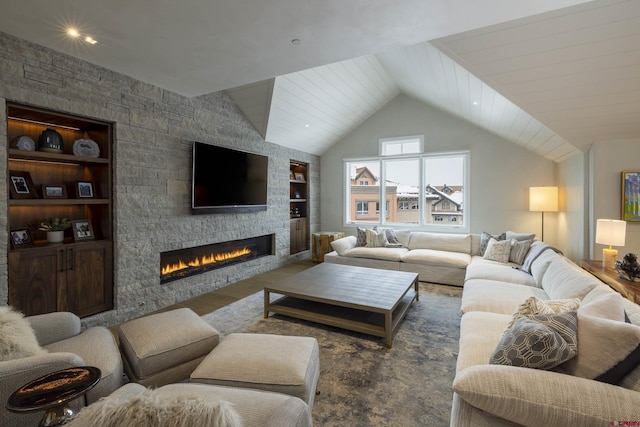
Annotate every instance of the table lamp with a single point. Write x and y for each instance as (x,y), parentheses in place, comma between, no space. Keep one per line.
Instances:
(543,199)
(610,232)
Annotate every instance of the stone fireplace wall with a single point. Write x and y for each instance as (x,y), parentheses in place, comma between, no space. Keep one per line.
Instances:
(154,131)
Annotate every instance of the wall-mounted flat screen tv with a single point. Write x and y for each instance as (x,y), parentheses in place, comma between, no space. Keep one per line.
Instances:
(226,180)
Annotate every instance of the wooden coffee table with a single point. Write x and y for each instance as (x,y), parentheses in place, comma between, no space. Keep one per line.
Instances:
(367,300)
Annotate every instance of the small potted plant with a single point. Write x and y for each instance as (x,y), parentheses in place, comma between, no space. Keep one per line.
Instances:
(54,227)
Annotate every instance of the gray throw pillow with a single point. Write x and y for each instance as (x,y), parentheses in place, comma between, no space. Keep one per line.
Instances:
(484,240)
(361,237)
(511,235)
(519,250)
(392,239)
(541,341)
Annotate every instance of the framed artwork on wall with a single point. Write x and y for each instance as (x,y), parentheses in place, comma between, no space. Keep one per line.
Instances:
(630,196)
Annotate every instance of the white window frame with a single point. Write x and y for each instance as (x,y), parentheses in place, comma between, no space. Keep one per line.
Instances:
(401,140)
(454,227)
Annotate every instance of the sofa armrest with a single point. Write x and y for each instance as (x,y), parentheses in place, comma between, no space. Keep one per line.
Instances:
(53,327)
(344,244)
(537,398)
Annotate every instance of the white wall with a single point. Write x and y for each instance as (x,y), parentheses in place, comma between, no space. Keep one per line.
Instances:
(608,160)
(573,226)
(501,172)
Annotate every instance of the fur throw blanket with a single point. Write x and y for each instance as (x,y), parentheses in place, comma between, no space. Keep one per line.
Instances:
(149,409)
(17,339)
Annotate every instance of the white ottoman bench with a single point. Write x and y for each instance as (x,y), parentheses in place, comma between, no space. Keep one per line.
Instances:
(278,363)
(164,348)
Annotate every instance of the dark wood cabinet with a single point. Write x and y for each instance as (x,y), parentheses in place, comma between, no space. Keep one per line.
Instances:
(299,235)
(299,206)
(76,275)
(73,277)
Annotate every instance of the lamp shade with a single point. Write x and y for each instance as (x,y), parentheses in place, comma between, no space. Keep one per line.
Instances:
(611,232)
(543,199)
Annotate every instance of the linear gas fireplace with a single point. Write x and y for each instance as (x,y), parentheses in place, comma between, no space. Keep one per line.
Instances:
(182,263)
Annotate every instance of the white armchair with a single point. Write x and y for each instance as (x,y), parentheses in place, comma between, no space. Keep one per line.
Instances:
(60,334)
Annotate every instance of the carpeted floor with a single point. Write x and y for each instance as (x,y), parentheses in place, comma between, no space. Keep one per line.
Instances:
(362,383)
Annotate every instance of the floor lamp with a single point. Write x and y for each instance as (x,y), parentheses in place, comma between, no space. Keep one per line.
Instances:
(543,199)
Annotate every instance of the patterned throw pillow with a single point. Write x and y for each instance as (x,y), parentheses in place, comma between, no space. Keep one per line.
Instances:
(541,341)
(534,305)
(519,250)
(361,237)
(375,239)
(498,250)
(392,239)
(484,241)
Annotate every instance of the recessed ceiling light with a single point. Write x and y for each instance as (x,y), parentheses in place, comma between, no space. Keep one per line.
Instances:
(307,125)
(475,102)
(295,41)
(74,33)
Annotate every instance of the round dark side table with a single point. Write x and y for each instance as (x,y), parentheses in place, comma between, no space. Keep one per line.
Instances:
(53,392)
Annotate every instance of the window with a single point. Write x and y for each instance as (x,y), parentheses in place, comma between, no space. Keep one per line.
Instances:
(403,145)
(429,191)
(364,182)
(362,208)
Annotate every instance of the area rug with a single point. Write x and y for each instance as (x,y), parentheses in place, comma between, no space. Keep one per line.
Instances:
(362,383)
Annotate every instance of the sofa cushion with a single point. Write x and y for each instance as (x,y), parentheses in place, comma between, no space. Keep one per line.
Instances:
(343,245)
(481,268)
(438,258)
(563,279)
(440,241)
(404,236)
(540,264)
(541,341)
(608,348)
(533,397)
(387,254)
(498,250)
(484,240)
(480,333)
(534,305)
(496,296)
(17,338)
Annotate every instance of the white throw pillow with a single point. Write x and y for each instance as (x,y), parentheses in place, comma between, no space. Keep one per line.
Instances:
(17,339)
(498,250)
(149,409)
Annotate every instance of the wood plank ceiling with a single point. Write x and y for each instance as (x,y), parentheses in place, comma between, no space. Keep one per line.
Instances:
(552,83)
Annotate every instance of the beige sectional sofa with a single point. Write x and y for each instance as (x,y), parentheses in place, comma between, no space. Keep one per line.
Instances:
(436,257)
(500,395)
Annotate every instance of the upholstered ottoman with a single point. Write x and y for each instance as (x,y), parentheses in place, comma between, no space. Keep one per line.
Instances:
(283,364)
(164,348)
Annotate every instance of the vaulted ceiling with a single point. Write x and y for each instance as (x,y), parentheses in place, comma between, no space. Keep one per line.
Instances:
(552,75)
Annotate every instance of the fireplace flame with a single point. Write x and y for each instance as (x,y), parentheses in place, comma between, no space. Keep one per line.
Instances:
(204,260)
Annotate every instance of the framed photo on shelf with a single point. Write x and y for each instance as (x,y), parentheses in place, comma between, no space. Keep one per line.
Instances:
(21,186)
(51,191)
(82,230)
(84,189)
(20,237)
(291,176)
(630,196)
(299,176)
